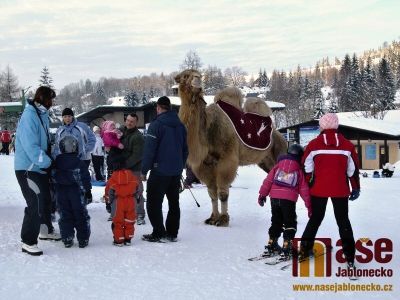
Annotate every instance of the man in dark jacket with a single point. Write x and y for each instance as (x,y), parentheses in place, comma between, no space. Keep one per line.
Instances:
(133,142)
(165,154)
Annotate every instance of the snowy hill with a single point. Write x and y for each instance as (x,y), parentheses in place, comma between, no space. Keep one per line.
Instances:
(206,263)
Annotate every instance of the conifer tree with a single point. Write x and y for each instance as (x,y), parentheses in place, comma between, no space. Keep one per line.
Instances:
(45,79)
(385,89)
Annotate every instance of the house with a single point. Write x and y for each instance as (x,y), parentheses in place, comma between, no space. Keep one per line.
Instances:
(376,141)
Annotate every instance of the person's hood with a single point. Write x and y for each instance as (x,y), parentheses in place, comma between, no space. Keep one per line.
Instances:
(169,118)
(36,107)
(123,178)
(330,137)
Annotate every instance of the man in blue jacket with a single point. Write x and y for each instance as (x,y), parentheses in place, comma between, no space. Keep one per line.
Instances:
(32,162)
(84,135)
(165,153)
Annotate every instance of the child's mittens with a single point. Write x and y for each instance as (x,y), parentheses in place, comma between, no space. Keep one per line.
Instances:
(108,207)
(261,200)
(88,197)
(120,146)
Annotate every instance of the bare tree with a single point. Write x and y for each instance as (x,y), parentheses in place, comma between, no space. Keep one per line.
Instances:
(191,61)
(235,76)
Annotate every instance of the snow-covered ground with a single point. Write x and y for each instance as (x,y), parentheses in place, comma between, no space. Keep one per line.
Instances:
(206,263)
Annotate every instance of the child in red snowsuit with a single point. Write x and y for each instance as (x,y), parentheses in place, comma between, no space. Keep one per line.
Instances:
(283,184)
(120,193)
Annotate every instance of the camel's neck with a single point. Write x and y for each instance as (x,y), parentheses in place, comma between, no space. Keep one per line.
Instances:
(192,114)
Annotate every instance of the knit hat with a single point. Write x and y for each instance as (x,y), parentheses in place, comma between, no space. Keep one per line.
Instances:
(96,128)
(329,121)
(106,125)
(67,112)
(164,101)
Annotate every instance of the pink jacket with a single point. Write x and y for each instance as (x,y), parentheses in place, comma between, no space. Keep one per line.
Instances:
(288,164)
(110,139)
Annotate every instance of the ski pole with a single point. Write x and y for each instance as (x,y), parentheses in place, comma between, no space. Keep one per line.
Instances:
(198,205)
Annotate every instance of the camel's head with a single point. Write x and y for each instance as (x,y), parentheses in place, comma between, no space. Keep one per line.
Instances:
(189,81)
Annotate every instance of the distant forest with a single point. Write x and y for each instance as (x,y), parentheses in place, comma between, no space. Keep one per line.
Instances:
(367,82)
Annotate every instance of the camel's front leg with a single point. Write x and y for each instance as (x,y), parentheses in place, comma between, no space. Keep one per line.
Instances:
(223,195)
(212,191)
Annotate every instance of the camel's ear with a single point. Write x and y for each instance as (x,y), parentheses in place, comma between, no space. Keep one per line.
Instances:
(178,78)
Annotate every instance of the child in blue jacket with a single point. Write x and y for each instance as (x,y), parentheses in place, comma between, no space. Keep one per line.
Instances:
(72,180)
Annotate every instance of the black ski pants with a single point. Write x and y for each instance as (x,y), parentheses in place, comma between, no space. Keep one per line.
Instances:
(283,218)
(158,187)
(35,189)
(341,211)
(5,148)
(98,166)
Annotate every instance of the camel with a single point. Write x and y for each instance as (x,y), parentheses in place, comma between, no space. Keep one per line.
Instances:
(215,150)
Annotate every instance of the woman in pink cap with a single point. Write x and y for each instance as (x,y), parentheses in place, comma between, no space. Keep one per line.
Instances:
(330,162)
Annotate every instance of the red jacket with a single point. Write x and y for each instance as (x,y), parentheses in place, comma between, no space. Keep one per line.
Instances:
(5,137)
(288,164)
(330,161)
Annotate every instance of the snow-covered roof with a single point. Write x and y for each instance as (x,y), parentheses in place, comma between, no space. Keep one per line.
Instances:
(210,99)
(390,124)
(397,97)
(116,101)
(4,104)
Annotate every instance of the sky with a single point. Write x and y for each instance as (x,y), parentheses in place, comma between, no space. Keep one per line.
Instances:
(124,38)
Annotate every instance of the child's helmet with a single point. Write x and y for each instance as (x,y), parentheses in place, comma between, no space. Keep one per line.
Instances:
(68,144)
(296,149)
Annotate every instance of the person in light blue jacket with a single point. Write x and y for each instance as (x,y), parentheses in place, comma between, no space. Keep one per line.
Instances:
(83,134)
(32,162)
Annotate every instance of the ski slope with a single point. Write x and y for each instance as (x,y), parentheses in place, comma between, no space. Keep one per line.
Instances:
(206,263)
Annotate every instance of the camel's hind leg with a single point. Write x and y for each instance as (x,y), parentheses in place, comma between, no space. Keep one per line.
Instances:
(212,192)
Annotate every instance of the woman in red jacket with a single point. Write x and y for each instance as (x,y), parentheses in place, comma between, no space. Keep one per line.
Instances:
(283,184)
(330,162)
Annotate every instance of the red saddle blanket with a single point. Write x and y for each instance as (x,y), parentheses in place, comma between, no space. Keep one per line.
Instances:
(253,129)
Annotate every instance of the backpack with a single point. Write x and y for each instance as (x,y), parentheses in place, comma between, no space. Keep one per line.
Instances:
(286,179)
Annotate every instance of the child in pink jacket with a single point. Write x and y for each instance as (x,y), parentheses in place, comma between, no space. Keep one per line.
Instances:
(111,135)
(283,184)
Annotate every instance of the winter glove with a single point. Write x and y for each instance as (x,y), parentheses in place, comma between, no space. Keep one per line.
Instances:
(88,197)
(108,207)
(261,200)
(354,195)
(310,179)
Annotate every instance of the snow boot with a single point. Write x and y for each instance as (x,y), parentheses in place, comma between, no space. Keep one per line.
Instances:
(118,244)
(306,250)
(127,242)
(68,243)
(31,249)
(287,250)
(83,244)
(272,248)
(141,221)
(48,236)
(151,238)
